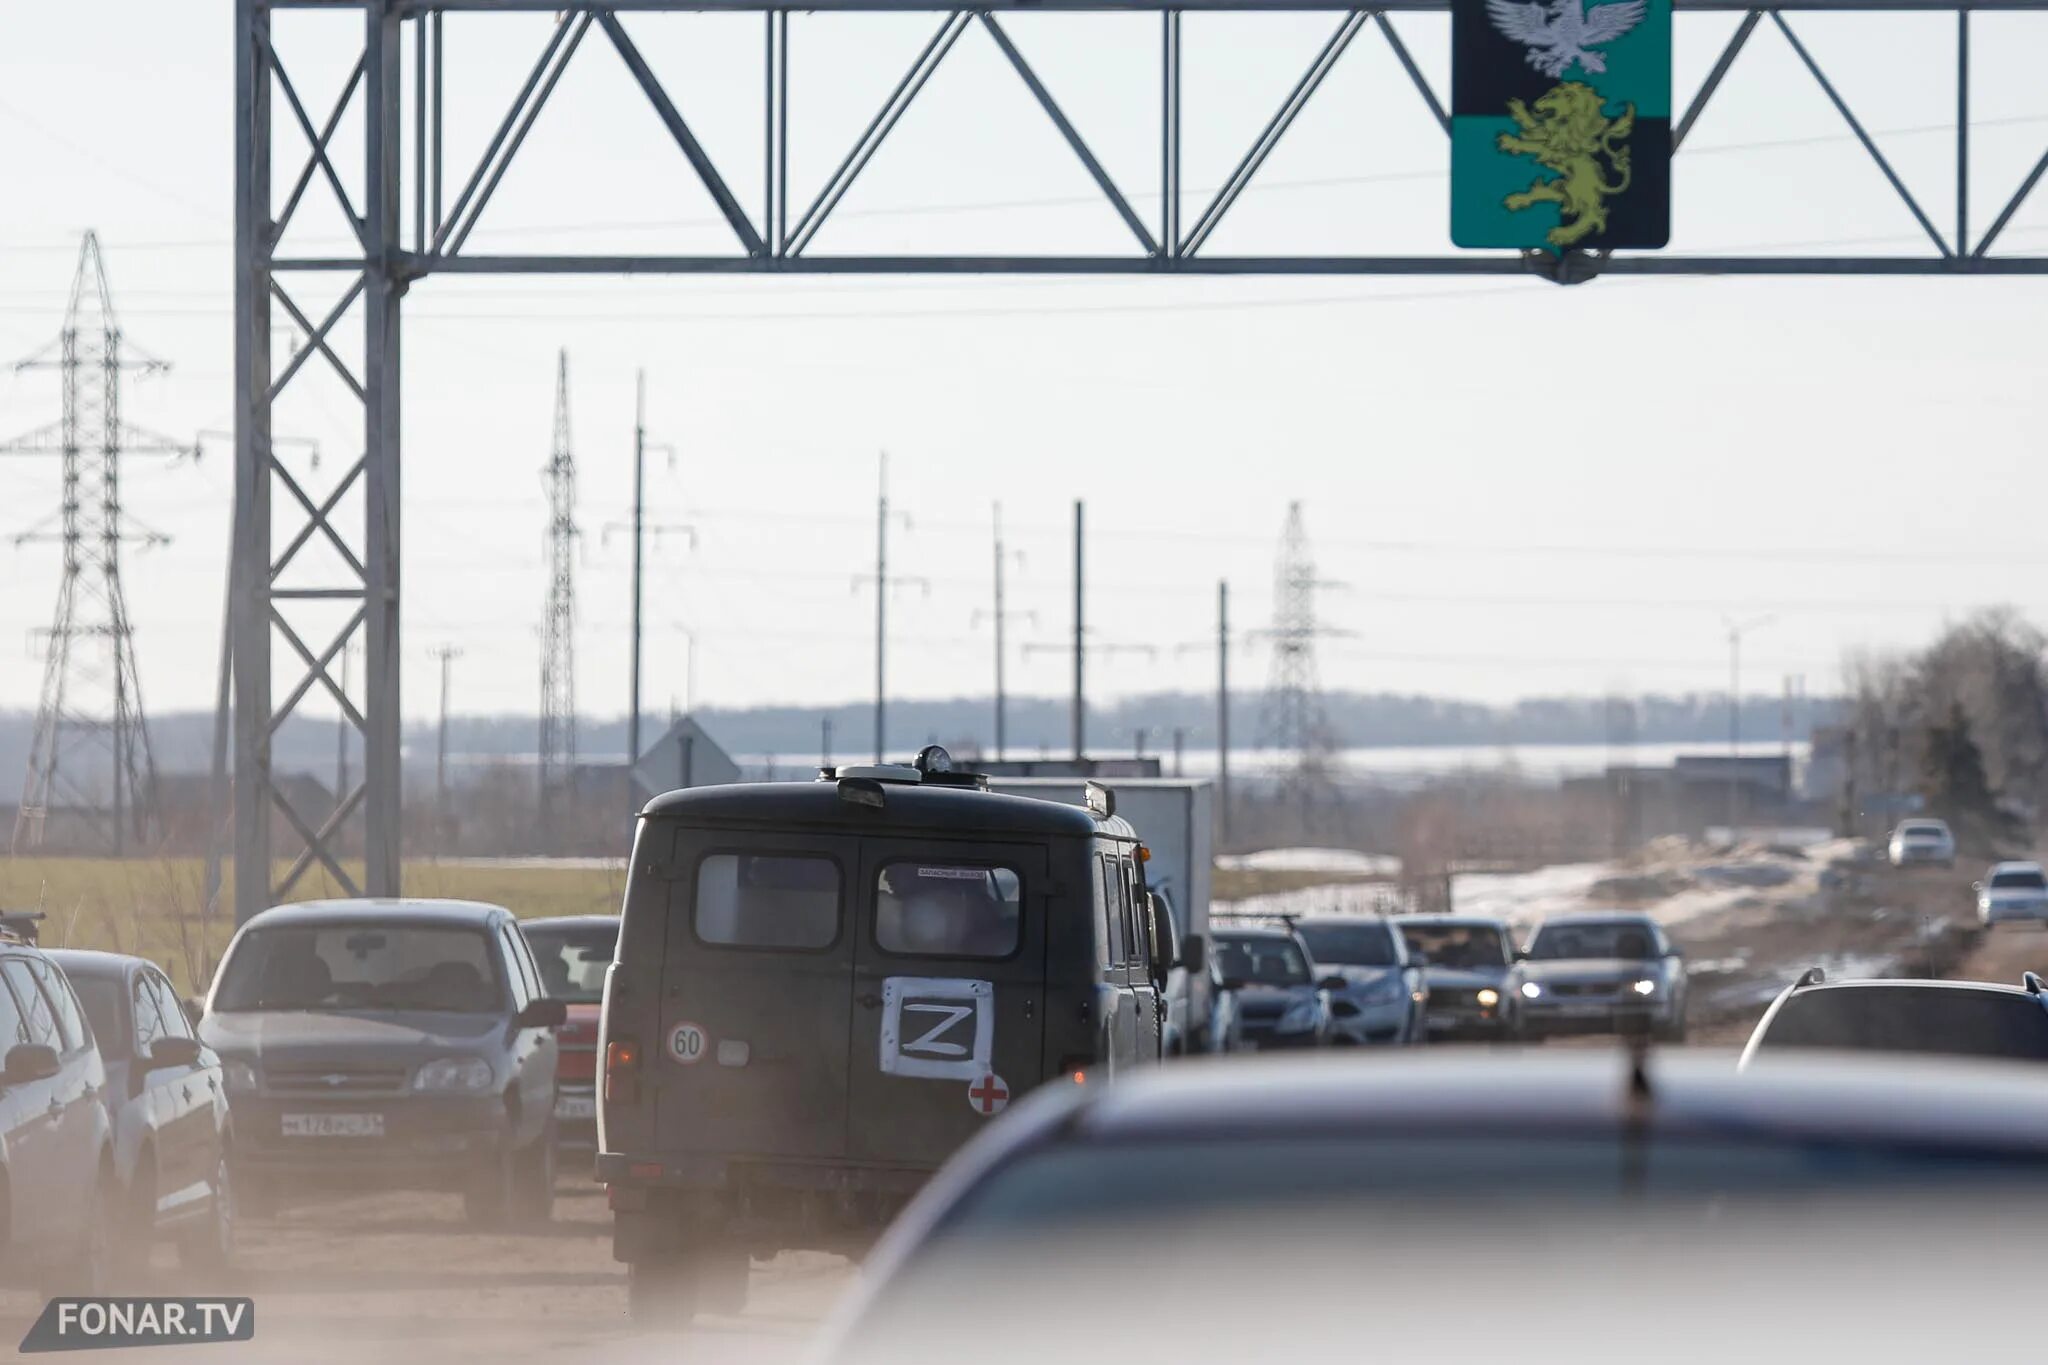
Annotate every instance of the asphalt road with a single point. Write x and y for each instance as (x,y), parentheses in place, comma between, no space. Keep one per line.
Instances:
(400,1278)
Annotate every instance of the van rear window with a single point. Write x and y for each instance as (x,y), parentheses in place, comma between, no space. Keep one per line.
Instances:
(767,901)
(947,910)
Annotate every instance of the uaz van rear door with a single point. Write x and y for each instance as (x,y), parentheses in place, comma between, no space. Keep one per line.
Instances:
(949,993)
(755,992)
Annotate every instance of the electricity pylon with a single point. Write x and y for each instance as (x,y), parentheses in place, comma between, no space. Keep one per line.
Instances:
(558,620)
(89,762)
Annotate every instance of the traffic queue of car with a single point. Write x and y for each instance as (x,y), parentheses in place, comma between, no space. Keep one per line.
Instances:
(1359,980)
(819,997)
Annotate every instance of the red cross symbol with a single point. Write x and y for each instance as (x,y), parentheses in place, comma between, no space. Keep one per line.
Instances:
(988,1095)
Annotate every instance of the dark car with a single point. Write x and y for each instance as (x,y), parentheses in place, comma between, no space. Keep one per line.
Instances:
(389,1044)
(1281,1002)
(169,1109)
(573,953)
(823,989)
(1471,973)
(1586,1204)
(1947,1018)
(56,1141)
(1602,973)
(1383,994)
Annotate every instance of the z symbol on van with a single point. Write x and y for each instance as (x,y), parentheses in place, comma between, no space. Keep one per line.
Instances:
(928,1043)
(924,1027)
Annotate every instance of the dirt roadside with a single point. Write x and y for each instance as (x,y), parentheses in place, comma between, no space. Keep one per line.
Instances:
(401,1279)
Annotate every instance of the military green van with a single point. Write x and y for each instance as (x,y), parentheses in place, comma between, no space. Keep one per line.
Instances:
(823,989)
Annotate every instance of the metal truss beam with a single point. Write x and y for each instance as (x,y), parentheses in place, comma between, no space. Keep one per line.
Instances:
(767,239)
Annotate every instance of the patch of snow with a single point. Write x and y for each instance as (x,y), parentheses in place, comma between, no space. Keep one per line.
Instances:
(1338,860)
(1344,898)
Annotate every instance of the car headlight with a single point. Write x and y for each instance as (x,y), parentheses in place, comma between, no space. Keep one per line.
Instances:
(1300,1017)
(1530,990)
(1646,986)
(1488,997)
(1380,992)
(462,1074)
(238,1075)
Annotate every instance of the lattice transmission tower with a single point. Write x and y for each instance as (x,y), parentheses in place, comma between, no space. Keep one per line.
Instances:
(558,620)
(1292,721)
(91,779)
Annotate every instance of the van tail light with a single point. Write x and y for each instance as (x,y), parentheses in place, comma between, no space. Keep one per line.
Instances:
(622,1071)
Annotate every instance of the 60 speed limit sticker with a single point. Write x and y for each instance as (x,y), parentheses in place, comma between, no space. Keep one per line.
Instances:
(686,1043)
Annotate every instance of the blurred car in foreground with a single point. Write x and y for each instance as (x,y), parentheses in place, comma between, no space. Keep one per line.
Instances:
(1280,1001)
(1383,994)
(389,1044)
(168,1107)
(1587,1207)
(2012,891)
(573,953)
(1470,973)
(1602,973)
(1947,1018)
(1922,841)
(61,1192)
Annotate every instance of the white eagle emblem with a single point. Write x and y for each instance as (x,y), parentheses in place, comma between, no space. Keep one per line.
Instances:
(1560,32)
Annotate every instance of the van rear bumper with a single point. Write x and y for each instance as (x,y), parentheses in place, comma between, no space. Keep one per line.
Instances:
(629,1170)
(762,1206)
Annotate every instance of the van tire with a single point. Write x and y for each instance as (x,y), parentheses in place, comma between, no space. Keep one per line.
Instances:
(661,1291)
(722,1274)
(669,1291)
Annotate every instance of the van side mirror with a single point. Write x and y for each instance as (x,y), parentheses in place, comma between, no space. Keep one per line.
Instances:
(1194,954)
(1233,983)
(29,1062)
(172,1050)
(1418,959)
(194,1010)
(1332,983)
(544,1012)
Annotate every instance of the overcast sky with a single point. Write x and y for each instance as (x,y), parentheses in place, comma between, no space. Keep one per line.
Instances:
(1520,489)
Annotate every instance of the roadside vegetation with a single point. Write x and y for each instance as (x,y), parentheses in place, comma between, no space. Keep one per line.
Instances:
(155,907)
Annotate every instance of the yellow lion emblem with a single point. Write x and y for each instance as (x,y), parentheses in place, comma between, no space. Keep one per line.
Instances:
(1568,135)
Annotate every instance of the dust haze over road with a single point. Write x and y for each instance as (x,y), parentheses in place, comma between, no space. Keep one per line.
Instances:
(401,1278)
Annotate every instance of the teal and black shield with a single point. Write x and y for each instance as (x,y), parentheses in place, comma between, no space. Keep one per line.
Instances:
(1561,124)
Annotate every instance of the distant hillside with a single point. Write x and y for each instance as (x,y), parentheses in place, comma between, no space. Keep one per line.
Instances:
(183,740)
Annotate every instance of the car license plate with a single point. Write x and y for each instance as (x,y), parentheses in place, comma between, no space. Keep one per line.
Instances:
(575,1107)
(334,1125)
(1585,1011)
(1441,1020)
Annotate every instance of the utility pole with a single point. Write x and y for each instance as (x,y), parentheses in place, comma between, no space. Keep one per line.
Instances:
(1001,615)
(999,632)
(881,601)
(1223,708)
(1080,720)
(341,728)
(446,654)
(1735,633)
(639,528)
(883,584)
(825,742)
(639,561)
(1180,737)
